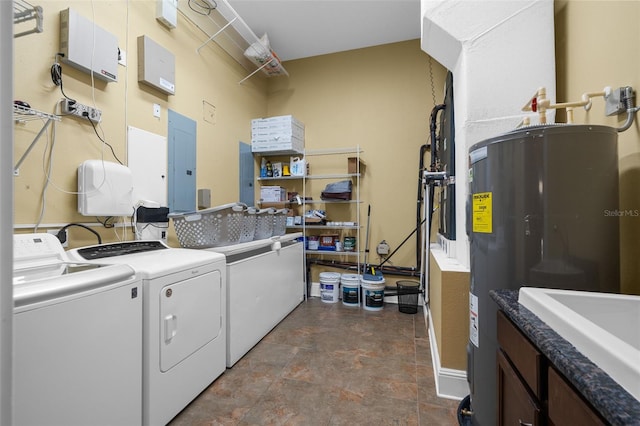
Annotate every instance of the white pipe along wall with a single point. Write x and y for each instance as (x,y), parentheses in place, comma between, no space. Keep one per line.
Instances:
(500,53)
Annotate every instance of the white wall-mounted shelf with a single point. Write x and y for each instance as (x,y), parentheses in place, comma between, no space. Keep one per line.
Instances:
(23,114)
(24,12)
(222,24)
(280,178)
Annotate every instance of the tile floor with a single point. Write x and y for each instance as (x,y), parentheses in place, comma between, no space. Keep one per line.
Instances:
(329,364)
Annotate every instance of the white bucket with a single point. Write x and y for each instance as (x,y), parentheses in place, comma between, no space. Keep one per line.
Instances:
(372,295)
(350,289)
(329,285)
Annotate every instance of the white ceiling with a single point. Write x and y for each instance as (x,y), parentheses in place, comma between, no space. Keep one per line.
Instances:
(303,28)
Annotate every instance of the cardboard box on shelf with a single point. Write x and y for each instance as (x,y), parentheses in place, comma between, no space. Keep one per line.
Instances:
(328,241)
(352,165)
(277,134)
(273,194)
(284,145)
(276,122)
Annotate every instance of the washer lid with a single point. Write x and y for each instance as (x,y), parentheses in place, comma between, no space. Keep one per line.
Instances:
(52,281)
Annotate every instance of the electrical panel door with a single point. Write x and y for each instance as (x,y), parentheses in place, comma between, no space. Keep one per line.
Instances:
(182,163)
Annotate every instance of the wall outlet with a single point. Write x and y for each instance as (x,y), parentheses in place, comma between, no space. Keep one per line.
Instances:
(65,236)
(70,107)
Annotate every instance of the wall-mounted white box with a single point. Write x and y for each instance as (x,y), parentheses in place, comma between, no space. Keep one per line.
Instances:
(156,66)
(167,13)
(104,189)
(87,46)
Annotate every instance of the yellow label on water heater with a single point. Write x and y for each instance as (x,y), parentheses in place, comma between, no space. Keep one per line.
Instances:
(482,213)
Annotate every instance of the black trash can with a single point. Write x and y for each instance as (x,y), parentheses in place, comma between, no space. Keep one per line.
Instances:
(408,292)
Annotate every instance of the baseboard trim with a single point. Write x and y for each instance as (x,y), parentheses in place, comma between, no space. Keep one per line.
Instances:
(450,383)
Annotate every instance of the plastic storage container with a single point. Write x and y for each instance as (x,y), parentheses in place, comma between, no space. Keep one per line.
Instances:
(214,227)
(329,287)
(350,284)
(372,294)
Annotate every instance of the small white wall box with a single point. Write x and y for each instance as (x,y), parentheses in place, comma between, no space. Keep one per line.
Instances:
(156,66)
(88,47)
(204,198)
(167,13)
(104,189)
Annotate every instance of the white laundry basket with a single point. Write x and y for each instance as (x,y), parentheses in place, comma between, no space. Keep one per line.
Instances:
(264,223)
(214,227)
(280,222)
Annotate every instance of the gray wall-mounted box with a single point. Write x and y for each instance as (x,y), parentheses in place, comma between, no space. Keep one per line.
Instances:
(88,47)
(156,66)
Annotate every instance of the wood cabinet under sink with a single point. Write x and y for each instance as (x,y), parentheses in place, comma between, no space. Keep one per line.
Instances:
(530,390)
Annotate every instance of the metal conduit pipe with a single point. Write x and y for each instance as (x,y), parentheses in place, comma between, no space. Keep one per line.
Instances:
(631,109)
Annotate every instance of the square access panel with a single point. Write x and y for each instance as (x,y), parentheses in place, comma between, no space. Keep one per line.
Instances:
(156,66)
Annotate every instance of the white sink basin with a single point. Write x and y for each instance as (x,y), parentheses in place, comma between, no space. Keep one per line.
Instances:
(604,327)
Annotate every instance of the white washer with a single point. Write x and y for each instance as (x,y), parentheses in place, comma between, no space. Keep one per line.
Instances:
(183,320)
(77,338)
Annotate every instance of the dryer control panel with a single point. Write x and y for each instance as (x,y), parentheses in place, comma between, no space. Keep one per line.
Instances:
(120,249)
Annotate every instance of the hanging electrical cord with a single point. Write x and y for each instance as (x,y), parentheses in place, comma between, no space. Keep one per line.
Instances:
(47,170)
(203,5)
(107,222)
(56,76)
(62,234)
(103,141)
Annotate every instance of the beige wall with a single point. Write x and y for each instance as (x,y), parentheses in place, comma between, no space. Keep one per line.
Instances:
(598,45)
(378,98)
(210,76)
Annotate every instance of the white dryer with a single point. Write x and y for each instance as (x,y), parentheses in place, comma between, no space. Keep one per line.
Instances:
(77,338)
(183,320)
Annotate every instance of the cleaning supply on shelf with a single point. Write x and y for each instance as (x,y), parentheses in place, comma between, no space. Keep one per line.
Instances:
(371,274)
(298,166)
(263,168)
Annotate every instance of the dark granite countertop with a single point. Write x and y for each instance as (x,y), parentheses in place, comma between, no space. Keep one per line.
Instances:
(613,402)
